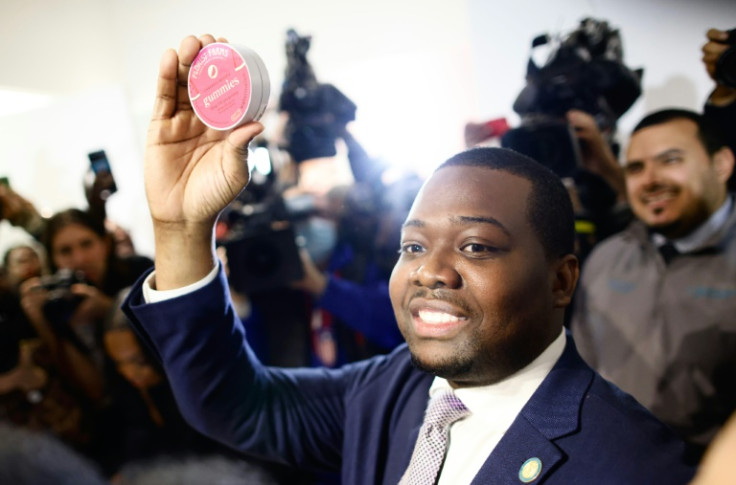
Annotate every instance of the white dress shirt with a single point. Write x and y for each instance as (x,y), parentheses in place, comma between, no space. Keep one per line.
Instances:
(493,410)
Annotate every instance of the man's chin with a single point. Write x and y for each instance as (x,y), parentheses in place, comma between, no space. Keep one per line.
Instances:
(448,368)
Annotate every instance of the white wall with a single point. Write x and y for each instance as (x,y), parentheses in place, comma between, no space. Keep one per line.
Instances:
(389,57)
(417,69)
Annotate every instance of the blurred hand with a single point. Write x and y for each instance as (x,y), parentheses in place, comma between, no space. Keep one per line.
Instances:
(597,156)
(29,375)
(314,280)
(712,50)
(16,209)
(26,376)
(94,306)
(32,298)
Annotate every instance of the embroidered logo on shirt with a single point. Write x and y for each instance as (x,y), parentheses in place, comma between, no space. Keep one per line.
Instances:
(710,293)
(621,286)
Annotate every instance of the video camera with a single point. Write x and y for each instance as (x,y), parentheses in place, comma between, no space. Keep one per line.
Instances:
(261,247)
(257,230)
(318,113)
(584,71)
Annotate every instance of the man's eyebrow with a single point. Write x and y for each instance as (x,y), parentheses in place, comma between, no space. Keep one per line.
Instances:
(482,220)
(413,223)
(463,220)
(659,156)
(670,152)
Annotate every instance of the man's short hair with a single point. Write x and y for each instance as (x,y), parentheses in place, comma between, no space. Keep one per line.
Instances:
(710,134)
(549,209)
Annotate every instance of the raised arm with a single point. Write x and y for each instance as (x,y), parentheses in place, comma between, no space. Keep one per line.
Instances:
(191,173)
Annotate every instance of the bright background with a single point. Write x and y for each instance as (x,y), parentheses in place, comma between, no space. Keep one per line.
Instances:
(79,75)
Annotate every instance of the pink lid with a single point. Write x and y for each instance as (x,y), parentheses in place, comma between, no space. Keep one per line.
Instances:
(228,85)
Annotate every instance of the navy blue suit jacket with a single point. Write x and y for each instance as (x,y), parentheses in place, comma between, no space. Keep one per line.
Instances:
(363,419)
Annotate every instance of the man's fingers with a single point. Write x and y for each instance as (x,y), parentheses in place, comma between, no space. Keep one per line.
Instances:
(717,35)
(172,93)
(714,49)
(243,135)
(165,104)
(235,153)
(206,39)
(188,50)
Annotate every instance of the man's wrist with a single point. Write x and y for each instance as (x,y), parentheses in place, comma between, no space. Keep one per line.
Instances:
(185,253)
(152,295)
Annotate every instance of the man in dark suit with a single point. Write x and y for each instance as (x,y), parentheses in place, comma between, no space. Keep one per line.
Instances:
(485,273)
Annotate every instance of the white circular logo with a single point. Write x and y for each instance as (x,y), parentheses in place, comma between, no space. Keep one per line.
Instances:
(212,71)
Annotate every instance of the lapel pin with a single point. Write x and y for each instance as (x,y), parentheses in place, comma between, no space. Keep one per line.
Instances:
(530,470)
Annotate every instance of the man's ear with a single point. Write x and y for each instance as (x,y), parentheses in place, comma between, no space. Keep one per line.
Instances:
(565,279)
(723,161)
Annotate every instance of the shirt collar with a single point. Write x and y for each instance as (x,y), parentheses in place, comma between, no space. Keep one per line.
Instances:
(509,395)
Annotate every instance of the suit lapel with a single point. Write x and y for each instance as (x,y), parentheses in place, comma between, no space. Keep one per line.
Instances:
(522,442)
(551,412)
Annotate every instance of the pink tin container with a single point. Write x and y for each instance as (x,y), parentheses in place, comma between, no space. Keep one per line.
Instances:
(228,85)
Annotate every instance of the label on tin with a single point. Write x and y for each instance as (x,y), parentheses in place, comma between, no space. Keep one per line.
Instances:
(220,86)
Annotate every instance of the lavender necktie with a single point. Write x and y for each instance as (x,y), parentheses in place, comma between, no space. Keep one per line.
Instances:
(429,452)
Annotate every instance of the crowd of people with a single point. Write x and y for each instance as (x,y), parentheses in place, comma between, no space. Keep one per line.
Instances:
(481,310)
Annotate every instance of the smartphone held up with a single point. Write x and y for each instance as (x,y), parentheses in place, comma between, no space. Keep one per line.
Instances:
(101,179)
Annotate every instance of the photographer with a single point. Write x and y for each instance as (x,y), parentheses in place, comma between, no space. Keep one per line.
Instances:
(66,308)
(33,392)
(352,318)
(349,315)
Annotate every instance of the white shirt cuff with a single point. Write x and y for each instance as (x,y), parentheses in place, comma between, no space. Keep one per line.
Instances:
(153,296)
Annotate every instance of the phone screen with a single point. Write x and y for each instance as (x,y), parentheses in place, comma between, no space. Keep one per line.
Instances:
(101,168)
(99,161)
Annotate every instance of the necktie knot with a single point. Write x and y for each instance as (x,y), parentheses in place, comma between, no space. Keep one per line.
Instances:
(444,409)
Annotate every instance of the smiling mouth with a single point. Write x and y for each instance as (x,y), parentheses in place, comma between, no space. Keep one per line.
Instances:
(434,324)
(657,197)
(437,318)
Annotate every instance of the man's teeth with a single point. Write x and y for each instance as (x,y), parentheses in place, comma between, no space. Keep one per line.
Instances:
(437,317)
(659,197)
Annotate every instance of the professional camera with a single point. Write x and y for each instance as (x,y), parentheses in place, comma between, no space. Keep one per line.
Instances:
(726,64)
(60,302)
(584,71)
(318,113)
(257,231)
(261,247)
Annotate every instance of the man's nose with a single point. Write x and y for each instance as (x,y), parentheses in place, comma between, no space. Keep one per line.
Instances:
(651,176)
(436,270)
